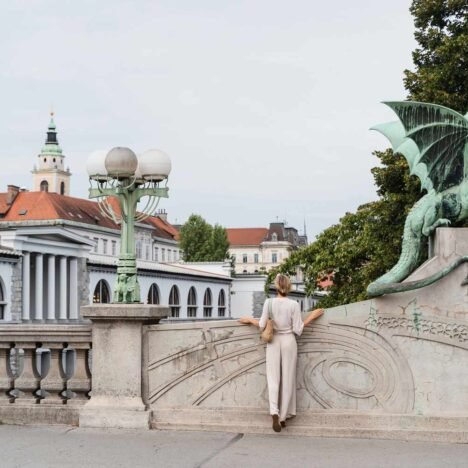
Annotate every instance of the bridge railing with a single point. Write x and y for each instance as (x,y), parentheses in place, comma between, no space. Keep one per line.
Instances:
(45,364)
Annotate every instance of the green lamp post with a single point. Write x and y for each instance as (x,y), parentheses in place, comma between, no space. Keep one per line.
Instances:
(120,175)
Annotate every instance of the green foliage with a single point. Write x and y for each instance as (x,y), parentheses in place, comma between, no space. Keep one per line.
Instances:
(202,242)
(363,245)
(366,244)
(220,243)
(441,59)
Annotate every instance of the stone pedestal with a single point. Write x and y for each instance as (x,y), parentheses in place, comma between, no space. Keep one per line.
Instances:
(116,395)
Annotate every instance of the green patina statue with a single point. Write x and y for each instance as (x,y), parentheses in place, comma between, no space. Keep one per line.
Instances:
(434,141)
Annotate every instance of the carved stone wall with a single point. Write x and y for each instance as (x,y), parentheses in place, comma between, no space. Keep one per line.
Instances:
(364,364)
(392,367)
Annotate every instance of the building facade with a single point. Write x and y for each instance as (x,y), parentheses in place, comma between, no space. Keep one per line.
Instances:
(257,250)
(58,253)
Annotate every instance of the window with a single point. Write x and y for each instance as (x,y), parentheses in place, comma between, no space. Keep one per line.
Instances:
(274,237)
(163,255)
(44,186)
(101,293)
(138,249)
(104,246)
(222,304)
(255,258)
(174,301)
(2,302)
(96,243)
(169,255)
(114,247)
(62,187)
(274,257)
(207,303)
(244,258)
(147,252)
(153,294)
(192,303)
(156,254)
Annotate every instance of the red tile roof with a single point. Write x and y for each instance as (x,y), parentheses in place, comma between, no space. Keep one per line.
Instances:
(42,206)
(246,236)
(3,203)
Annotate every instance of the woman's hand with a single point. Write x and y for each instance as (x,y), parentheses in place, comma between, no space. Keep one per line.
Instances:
(313,315)
(245,320)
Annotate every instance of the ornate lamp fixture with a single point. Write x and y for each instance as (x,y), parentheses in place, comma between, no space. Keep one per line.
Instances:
(120,174)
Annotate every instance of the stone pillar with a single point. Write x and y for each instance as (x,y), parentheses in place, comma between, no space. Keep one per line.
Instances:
(26,285)
(63,288)
(51,287)
(116,398)
(39,287)
(74,288)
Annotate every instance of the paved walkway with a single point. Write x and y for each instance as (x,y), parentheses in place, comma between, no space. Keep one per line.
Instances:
(50,447)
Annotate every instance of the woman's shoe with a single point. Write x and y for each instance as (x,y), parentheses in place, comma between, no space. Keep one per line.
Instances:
(283,423)
(276,423)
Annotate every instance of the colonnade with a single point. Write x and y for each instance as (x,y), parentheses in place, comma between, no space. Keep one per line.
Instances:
(55,290)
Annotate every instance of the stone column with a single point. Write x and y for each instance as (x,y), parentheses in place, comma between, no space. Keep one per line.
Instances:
(74,288)
(26,285)
(116,398)
(51,287)
(39,287)
(63,288)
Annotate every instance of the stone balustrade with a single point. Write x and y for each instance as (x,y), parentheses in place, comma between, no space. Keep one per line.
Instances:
(44,365)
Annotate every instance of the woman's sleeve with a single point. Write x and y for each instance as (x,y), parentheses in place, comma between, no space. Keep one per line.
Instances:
(264,317)
(297,323)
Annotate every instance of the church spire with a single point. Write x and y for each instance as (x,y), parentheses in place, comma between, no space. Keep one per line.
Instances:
(50,174)
(51,144)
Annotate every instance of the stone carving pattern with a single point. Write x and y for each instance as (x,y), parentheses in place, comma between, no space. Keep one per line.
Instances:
(230,355)
(453,331)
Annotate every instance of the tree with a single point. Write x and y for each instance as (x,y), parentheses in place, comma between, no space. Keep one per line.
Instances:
(441,59)
(220,243)
(366,244)
(202,242)
(363,245)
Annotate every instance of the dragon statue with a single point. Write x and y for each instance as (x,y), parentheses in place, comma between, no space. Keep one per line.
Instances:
(434,141)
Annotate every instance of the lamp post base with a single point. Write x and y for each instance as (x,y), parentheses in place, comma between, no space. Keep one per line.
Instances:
(117,365)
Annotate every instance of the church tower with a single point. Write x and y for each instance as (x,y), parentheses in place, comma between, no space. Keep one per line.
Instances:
(50,174)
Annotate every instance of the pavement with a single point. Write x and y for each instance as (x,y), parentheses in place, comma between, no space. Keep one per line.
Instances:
(46,446)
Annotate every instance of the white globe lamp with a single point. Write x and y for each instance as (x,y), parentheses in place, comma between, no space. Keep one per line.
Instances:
(154,165)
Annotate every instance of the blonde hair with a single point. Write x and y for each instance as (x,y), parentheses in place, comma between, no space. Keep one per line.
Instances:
(282,284)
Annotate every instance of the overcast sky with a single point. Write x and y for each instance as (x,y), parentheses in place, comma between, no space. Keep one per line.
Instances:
(264,106)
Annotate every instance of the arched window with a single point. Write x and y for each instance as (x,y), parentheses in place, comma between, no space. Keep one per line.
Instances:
(44,186)
(62,188)
(2,302)
(207,303)
(153,294)
(221,304)
(192,303)
(101,293)
(174,301)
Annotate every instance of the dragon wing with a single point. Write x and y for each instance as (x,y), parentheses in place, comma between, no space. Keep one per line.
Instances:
(434,141)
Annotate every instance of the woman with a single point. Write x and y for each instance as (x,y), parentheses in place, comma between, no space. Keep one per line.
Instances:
(281,352)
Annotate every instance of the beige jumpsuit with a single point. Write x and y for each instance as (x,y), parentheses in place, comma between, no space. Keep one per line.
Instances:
(281,355)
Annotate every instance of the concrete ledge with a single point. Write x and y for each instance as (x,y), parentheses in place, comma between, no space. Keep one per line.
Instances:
(39,414)
(128,312)
(448,429)
(115,418)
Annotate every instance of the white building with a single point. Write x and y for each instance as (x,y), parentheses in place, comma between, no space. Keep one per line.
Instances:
(257,250)
(58,253)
